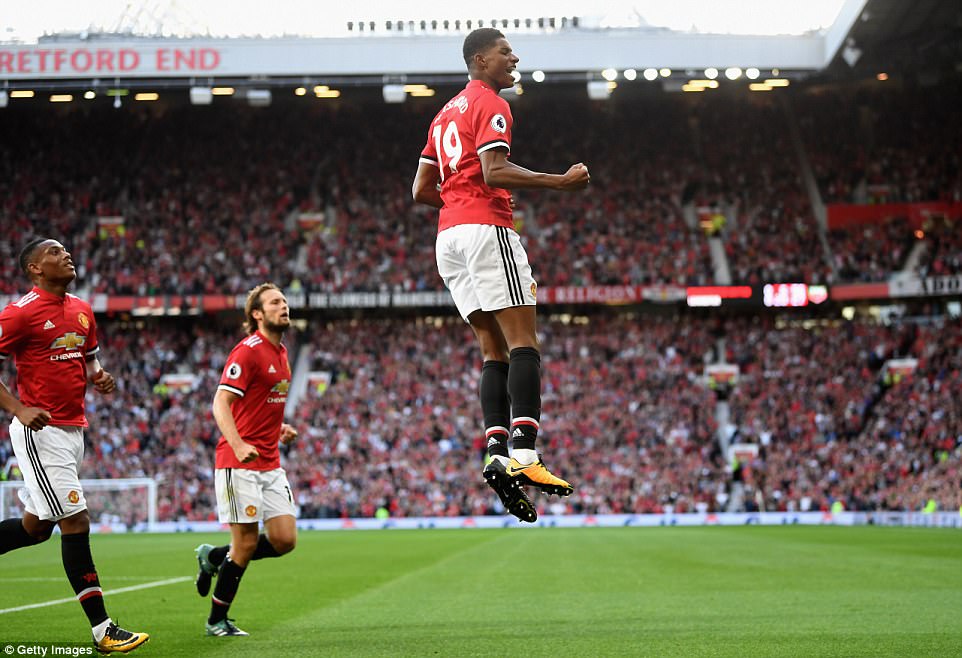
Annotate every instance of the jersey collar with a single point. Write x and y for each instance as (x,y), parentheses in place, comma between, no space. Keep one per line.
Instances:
(49,296)
(268,342)
(474,84)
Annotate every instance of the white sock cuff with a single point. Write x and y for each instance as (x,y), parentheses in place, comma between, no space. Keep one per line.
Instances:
(101,629)
(524,456)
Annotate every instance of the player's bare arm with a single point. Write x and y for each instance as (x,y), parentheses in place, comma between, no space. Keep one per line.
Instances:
(32,417)
(102,380)
(500,172)
(288,434)
(224,417)
(425,188)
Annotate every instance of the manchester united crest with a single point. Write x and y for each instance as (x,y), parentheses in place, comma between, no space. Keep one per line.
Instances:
(250,510)
(84,322)
(73,497)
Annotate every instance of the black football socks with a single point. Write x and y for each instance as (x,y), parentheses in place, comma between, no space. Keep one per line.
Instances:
(228,580)
(79,566)
(13,536)
(495,406)
(264,549)
(524,388)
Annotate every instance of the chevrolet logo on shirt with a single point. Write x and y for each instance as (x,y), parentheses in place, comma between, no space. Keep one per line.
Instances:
(70,341)
(278,394)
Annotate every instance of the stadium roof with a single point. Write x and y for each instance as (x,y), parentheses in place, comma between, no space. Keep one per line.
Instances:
(561,46)
(920,37)
(864,36)
(306,18)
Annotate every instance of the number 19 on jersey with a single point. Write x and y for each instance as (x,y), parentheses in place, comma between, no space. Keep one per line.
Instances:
(448,142)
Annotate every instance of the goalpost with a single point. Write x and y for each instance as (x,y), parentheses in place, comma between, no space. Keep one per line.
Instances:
(122,504)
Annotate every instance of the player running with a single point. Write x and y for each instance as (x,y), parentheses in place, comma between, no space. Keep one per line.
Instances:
(464,170)
(52,337)
(250,484)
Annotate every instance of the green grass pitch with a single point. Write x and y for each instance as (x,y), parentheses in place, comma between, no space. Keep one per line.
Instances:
(718,591)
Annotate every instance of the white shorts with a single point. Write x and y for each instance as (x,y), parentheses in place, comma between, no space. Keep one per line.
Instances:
(50,462)
(485,267)
(248,496)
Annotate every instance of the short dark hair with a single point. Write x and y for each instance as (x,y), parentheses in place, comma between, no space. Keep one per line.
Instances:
(479,40)
(26,254)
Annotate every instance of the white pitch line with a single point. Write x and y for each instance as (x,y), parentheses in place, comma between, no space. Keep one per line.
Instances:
(157,583)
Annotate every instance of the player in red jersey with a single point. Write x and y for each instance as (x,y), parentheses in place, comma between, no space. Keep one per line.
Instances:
(250,483)
(464,170)
(52,337)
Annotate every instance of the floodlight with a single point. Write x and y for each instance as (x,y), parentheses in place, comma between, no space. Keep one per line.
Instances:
(598,90)
(201,96)
(258,97)
(394,93)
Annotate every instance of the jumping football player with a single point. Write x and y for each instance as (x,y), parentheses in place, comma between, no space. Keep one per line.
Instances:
(464,170)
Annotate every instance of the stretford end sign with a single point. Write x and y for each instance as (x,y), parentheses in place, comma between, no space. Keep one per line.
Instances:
(378,55)
(42,62)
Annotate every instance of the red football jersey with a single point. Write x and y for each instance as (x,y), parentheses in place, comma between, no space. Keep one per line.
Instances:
(475,120)
(50,338)
(259,373)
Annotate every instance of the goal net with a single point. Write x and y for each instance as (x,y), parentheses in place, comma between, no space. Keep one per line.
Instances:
(120,505)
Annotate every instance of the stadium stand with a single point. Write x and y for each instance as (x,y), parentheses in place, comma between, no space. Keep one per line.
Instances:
(745,147)
(943,255)
(883,144)
(871,252)
(216,212)
(627,416)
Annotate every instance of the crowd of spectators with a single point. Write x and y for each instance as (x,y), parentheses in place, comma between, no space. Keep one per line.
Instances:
(909,452)
(747,156)
(210,199)
(210,196)
(202,199)
(887,144)
(400,426)
(833,424)
(943,249)
(628,227)
(626,415)
(873,251)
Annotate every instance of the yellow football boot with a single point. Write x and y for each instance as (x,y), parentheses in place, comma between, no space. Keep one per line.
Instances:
(538,475)
(117,640)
